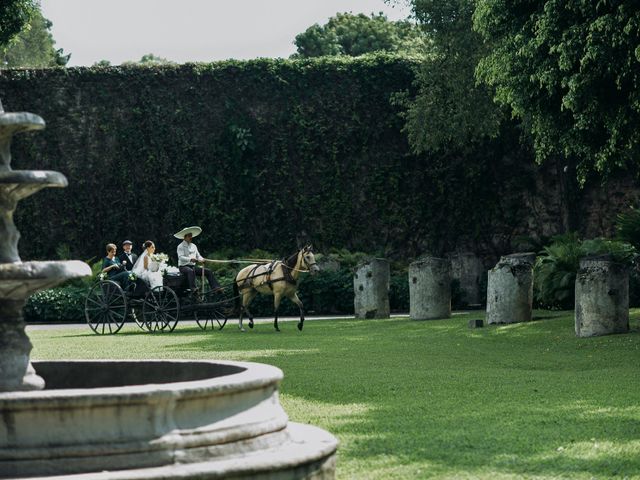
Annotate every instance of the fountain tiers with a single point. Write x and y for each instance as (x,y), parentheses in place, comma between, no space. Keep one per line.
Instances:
(19,280)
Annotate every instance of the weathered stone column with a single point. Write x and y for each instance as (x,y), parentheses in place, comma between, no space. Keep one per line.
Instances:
(467,268)
(510,289)
(430,289)
(602,297)
(371,287)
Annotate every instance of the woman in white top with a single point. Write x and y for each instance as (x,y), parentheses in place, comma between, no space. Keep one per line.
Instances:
(147,268)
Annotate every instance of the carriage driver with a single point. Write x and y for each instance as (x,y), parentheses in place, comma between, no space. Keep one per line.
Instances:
(188,256)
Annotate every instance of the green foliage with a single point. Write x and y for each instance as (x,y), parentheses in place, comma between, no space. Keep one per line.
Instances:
(353,35)
(429,400)
(555,272)
(557,265)
(258,153)
(398,292)
(147,60)
(628,227)
(34,46)
(64,304)
(569,71)
(14,15)
(450,109)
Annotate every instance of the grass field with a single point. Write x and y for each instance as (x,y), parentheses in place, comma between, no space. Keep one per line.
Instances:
(431,399)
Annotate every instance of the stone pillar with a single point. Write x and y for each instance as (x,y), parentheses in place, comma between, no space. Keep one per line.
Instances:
(430,289)
(371,287)
(510,289)
(468,269)
(602,297)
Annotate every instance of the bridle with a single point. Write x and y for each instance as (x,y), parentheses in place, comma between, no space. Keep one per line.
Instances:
(306,264)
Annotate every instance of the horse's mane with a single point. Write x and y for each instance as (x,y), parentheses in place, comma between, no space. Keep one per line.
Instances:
(292,260)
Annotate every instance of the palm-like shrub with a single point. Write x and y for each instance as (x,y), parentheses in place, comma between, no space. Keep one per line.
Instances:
(555,272)
(628,227)
(557,265)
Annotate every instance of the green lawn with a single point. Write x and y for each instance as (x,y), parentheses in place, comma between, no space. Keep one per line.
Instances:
(431,399)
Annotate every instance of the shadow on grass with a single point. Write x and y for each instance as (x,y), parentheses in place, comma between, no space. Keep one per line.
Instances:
(517,399)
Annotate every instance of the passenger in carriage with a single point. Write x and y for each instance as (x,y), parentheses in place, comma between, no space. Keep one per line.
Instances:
(113,268)
(147,268)
(127,257)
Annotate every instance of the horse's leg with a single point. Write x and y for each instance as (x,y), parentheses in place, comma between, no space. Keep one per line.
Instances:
(249,298)
(276,304)
(241,313)
(294,298)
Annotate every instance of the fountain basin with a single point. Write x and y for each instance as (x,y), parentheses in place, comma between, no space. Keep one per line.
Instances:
(158,419)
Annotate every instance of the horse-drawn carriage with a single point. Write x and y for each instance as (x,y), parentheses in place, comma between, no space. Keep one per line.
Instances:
(108,305)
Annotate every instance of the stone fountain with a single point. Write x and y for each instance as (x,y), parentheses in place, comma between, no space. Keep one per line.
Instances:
(130,419)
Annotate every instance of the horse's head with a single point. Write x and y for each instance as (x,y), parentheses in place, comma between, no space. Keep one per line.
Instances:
(309,260)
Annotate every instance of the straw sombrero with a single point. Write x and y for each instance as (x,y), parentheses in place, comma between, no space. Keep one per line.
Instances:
(195,231)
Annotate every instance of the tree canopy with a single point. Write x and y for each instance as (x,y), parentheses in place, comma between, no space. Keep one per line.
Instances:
(34,46)
(14,14)
(349,34)
(148,59)
(450,108)
(570,71)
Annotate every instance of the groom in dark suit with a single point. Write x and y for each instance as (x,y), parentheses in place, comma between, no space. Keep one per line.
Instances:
(127,258)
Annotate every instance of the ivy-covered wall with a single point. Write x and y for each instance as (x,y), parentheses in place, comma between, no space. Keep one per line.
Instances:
(262,154)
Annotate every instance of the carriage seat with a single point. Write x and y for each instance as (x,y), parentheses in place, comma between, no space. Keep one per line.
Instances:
(175,280)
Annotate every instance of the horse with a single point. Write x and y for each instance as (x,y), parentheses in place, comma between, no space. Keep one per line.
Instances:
(278,278)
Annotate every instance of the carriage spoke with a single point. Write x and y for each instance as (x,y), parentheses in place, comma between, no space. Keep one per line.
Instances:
(109,322)
(97,319)
(100,304)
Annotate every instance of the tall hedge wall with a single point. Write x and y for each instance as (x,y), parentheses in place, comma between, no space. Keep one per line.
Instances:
(261,154)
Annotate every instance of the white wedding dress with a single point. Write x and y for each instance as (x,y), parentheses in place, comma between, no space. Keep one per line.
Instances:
(151,274)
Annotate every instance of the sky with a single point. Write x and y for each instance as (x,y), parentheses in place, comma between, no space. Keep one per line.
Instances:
(191,30)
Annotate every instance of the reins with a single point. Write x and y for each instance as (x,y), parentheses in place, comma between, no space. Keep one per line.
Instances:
(240,260)
(261,261)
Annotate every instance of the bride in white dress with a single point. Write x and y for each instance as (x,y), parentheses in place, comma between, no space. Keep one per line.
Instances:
(147,268)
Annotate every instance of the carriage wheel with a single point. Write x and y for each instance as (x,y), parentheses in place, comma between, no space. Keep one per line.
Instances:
(105,307)
(215,311)
(160,309)
(210,317)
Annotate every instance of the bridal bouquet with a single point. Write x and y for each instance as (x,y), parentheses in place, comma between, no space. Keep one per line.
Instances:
(159,262)
(160,257)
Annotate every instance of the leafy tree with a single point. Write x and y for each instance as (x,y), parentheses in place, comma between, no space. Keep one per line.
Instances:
(450,108)
(148,59)
(349,34)
(102,63)
(34,46)
(570,71)
(14,15)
